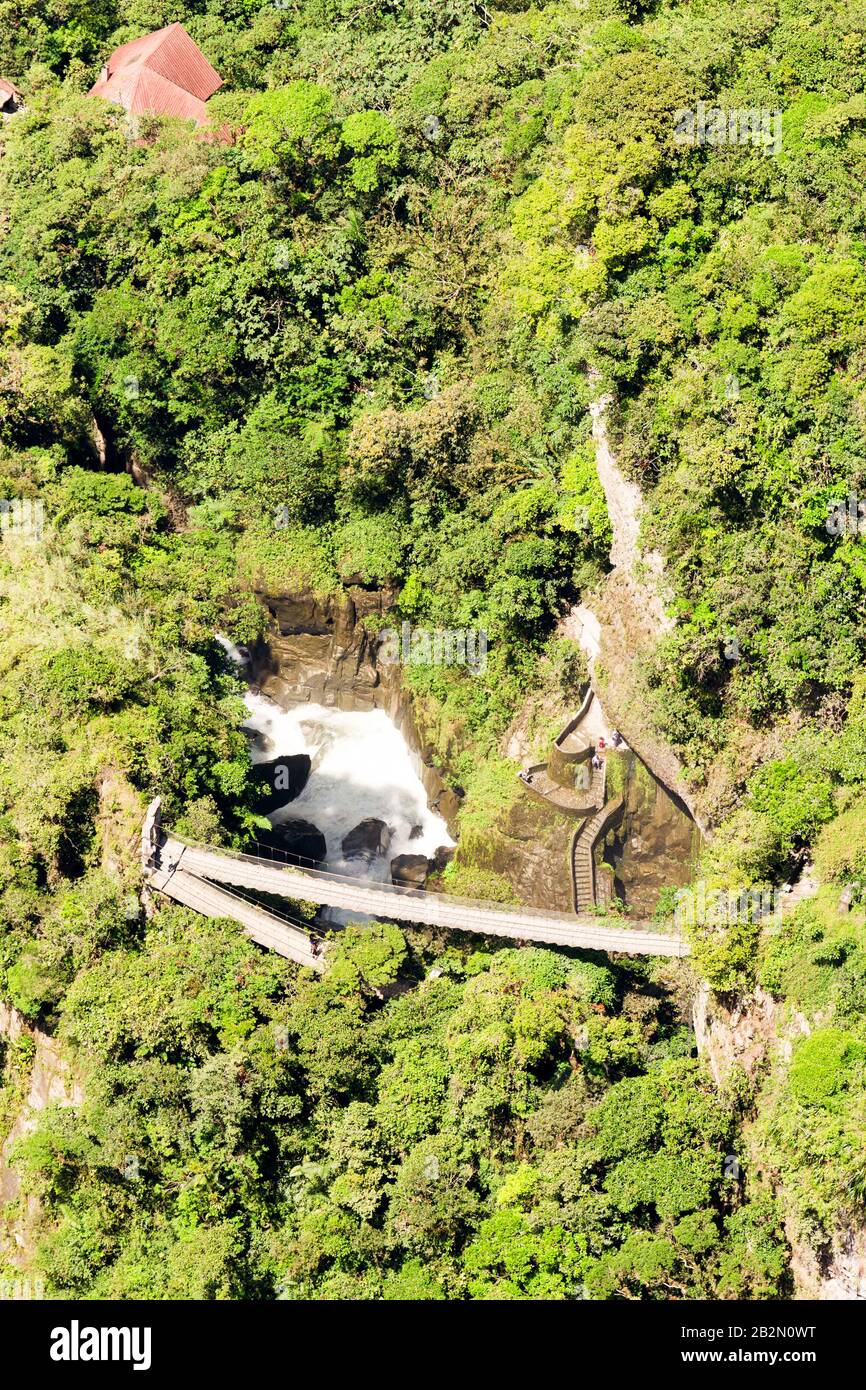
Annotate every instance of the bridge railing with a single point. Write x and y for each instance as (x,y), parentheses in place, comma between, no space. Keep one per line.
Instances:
(233,891)
(398,891)
(267,853)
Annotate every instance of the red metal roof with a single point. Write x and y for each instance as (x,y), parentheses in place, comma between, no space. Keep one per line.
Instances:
(164,73)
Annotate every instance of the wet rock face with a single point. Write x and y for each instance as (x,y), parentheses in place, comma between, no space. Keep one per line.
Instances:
(368,840)
(442,857)
(296,837)
(530,848)
(280,780)
(410,870)
(319,650)
(655,843)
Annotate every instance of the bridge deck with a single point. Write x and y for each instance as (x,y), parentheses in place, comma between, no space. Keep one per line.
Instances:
(263,927)
(368,899)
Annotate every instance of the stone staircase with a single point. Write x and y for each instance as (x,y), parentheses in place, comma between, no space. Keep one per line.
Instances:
(583,884)
(582,871)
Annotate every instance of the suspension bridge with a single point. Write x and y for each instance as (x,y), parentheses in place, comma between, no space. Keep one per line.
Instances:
(218,882)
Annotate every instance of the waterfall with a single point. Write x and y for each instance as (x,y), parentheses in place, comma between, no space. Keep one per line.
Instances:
(360,767)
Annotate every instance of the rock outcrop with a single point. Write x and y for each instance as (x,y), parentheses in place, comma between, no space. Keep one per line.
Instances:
(50,1080)
(741,1036)
(296,837)
(320,651)
(280,780)
(369,840)
(529,848)
(410,870)
(837,1274)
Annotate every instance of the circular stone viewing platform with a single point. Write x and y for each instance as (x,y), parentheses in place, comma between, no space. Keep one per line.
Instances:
(569,782)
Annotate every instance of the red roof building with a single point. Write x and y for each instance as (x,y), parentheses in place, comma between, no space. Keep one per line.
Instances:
(11,99)
(164,73)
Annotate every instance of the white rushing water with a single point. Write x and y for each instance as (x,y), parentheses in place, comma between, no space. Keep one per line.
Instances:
(360,767)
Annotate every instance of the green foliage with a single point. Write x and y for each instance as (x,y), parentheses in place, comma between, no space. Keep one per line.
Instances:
(373,141)
(368,955)
(823,1066)
(508,1260)
(291,126)
(840,850)
(350,345)
(795,801)
(236,1105)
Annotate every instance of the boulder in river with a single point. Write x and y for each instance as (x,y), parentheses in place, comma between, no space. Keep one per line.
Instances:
(255,737)
(368,840)
(297,838)
(410,870)
(280,780)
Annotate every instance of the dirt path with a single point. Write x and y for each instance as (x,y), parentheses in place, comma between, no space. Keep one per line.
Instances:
(635,575)
(625,618)
(625,507)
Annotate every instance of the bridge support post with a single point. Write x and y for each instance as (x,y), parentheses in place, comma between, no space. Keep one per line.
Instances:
(151,833)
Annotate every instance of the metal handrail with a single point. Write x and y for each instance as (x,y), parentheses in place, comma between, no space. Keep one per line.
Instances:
(234,892)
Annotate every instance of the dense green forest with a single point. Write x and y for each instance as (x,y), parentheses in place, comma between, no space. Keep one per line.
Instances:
(376,307)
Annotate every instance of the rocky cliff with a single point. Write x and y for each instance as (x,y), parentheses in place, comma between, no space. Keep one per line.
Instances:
(320,650)
(756,1034)
(625,618)
(44,1079)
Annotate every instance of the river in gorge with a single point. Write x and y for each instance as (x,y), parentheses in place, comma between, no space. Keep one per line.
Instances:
(360,769)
